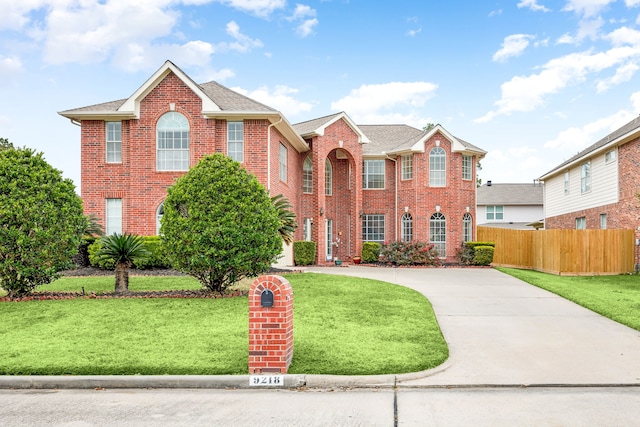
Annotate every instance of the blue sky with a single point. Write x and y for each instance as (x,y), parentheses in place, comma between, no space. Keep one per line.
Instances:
(530,81)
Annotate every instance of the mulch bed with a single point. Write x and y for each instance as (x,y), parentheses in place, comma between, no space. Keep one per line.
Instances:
(46,296)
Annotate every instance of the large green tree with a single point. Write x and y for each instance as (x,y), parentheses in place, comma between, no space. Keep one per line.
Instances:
(41,221)
(5,144)
(219,224)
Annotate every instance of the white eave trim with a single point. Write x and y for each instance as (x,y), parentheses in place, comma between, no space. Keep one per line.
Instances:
(132,104)
(362,138)
(456,145)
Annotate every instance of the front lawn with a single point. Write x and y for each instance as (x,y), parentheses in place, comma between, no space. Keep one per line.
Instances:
(615,297)
(342,325)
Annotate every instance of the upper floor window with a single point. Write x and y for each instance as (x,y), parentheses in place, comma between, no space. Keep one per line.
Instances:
(566,182)
(438,233)
(467,228)
(173,142)
(437,167)
(495,213)
(114,216)
(328,178)
(581,223)
(235,141)
(373,228)
(585,177)
(307,175)
(610,156)
(467,167)
(407,166)
(114,142)
(372,174)
(407,227)
(283,163)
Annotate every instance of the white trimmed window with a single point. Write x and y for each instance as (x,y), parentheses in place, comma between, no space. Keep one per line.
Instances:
(495,213)
(373,228)
(467,167)
(603,221)
(610,156)
(566,182)
(114,216)
(328,178)
(235,141)
(407,227)
(467,228)
(172,142)
(283,163)
(114,142)
(372,174)
(306,230)
(437,167)
(438,233)
(407,166)
(585,177)
(159,215)
(307,175)
(581,223)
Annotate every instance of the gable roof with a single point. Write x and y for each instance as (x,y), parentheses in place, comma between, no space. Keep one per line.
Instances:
(618,137)
(385,138)
(510,194)
(217,102)
(316,127)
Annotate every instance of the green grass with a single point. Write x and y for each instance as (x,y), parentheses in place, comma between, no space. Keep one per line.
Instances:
(615,297)
(342,325)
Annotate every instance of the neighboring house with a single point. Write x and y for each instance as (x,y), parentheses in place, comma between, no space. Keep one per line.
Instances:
(598,187)
(347,183)
(517,206)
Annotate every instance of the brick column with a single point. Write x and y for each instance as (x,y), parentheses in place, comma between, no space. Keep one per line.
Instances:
(270,327)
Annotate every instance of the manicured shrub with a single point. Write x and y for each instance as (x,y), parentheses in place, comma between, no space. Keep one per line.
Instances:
(465,254)
(94,257)
(304,252)
(370,251)
(409,253)
(473,245)
(157,257)
(219,224)
(483,255)
(41,221)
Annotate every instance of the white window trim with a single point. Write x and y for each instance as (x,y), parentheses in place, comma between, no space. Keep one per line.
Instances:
(407,167)
(328,178)
(435,178)
(283,158)
(468,168)
(117,152)
(240,142)
(366,174)
(161,162)
(113,216)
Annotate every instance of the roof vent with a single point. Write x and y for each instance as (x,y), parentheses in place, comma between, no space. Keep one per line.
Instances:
(489,183)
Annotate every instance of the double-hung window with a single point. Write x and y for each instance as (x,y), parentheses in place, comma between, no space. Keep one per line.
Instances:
(407,166)
(467,167)
(437,167)
(283,163)
(235,141)
(172,142)
(566,182)
(114,142)
(585,177)
(373,174)
(373,228)
(307,175)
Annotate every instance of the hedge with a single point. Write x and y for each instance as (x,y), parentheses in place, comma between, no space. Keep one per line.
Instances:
(304,252)
(370,251)
(483,255)
(157,259)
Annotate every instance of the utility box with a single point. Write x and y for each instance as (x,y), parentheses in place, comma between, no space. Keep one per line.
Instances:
(270,325)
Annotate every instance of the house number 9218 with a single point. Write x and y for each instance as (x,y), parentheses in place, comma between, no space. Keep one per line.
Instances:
(266,380)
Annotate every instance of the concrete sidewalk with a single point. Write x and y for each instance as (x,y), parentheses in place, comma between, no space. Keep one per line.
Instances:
(500,330)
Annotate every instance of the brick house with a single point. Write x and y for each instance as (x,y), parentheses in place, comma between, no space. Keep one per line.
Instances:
(598,187)
(347,183)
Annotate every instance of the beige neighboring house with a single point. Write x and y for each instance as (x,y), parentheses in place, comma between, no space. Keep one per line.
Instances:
(515,206)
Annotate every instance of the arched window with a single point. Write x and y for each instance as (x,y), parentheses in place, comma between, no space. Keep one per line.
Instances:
(159,215)
(438,233)
(407,227)
(328,178)
(467,223)
(172,142)
(307,175)
(437,167)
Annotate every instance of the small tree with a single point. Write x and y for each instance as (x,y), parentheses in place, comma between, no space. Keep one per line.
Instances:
(123,250)
(219,224)
(41,221)
(5,144)
(287,218)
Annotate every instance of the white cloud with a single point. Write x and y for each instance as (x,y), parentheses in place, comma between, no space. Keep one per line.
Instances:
(372,103)
(632,3)
(307,27)
(512,45)
(413,33)
(623,74)
(533,5)
(587,8)
(15,14)
(243,43)
(10,66)
(281,98)
(261,8)
(495,12)
(308,19)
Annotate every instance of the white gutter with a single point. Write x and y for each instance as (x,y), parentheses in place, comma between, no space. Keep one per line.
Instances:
(269,154)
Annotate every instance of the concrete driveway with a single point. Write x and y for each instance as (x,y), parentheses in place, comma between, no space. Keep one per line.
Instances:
(503,331)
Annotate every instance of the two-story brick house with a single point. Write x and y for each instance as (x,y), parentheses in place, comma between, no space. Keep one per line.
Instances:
(346,183)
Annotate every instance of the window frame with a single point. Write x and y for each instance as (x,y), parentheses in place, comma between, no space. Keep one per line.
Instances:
(437,167)
(282,160)
(603,221)
(373,174)
(113,216)
(467,167)
(493,210)
(307,175)
(328,177)
(585,177)
(467,227)
(406,231)
(166,131)
(610,156)
(406,161)
(567,182)
(235,145)
(373,227)
(438,228)
(581,223)
(113,145)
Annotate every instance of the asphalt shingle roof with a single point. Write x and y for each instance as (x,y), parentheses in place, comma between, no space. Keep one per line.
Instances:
(510,194)
(385,138)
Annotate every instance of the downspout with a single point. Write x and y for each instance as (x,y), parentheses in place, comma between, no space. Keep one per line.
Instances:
(269,153)
(75,122)
(395,218)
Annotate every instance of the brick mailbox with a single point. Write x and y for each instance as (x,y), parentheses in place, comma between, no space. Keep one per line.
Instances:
(270,325)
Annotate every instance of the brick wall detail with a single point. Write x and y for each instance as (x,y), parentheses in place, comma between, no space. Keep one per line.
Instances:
(270,328)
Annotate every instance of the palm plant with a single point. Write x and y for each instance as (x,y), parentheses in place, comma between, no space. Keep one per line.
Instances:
(94,228)
(287,218)
(124,250)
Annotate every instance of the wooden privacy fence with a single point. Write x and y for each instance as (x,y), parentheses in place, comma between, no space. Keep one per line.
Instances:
(568,252)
